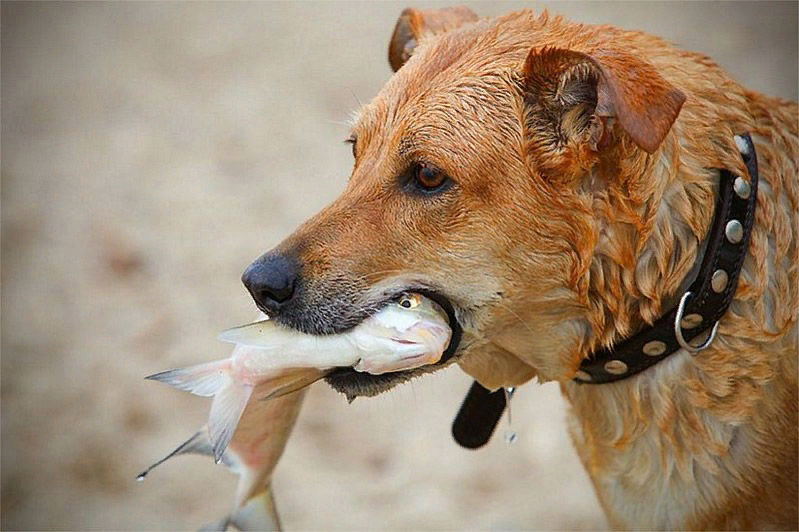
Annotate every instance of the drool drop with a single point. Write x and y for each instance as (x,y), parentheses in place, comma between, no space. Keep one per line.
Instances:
(510,435)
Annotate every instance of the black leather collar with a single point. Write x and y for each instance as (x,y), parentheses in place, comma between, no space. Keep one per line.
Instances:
(707,299)
(698,312)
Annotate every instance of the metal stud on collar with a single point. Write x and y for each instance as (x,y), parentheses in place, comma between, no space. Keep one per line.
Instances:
(691,321)
(615,367)
(678,330)
(719,281)
(741,187)
(734,231)
(655,348)
(743,146)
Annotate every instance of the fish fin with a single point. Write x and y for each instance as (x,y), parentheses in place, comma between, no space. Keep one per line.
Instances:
(217,526)
(197,444)
(294,382)
(252,334)
(259,513)
(226,410)
(203,379)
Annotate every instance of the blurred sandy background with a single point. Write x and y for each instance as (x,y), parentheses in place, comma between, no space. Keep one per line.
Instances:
(150,152)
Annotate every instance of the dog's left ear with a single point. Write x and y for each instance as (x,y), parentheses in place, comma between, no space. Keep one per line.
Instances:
(413,24)
(580,92)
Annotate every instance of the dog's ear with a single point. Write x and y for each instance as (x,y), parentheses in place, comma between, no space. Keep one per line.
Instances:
(580,93)
(413,24)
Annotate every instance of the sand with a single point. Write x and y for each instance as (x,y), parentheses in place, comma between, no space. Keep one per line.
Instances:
(150,152)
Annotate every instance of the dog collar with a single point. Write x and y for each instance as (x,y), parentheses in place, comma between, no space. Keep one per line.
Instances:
(707,299)
(699,309)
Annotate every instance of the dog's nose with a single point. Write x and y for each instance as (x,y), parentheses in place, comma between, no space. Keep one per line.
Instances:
(270,280)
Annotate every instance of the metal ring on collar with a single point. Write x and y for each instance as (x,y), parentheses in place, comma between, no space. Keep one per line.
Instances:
(678,330)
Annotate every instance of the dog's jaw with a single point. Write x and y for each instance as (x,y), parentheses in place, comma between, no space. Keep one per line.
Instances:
(354,384)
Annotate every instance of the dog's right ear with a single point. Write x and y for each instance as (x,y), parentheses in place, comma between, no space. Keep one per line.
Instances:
(413,24)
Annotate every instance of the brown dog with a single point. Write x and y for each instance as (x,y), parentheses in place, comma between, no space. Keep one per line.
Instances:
(552,185)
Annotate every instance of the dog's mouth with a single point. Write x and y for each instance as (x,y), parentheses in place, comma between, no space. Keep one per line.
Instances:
(354,383)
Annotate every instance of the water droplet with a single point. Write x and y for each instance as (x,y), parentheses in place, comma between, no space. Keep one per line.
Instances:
(510,435)
(508,396)
(140,477)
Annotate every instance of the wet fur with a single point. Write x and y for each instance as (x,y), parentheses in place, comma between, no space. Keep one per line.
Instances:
(564,232)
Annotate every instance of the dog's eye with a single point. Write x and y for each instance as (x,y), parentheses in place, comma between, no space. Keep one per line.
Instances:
(353,140)
(428,177)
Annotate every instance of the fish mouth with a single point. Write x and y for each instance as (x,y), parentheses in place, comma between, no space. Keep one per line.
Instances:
(355,383)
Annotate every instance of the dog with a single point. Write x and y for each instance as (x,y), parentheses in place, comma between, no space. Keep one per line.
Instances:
(552,185)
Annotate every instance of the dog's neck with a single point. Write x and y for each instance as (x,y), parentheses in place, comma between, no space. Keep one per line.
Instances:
(649,243)
(706,300)
(682,430)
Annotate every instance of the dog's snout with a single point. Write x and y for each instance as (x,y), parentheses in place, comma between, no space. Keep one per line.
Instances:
(271,280)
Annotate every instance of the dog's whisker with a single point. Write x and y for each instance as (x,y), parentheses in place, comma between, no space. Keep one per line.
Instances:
(355,97)
(338,122)
(371,276)
(384,273)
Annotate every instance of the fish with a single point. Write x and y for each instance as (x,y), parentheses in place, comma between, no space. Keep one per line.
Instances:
(410,332)
(253,453)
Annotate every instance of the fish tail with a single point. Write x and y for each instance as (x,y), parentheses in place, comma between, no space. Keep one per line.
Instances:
(226,410)
(203,379)
(217,526)
(259,513)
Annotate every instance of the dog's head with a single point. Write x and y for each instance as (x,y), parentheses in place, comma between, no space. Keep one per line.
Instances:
(476,177)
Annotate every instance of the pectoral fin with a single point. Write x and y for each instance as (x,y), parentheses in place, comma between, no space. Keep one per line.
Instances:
(226,410)
(294,382)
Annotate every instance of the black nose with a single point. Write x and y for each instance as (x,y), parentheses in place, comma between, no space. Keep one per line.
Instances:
(270,280)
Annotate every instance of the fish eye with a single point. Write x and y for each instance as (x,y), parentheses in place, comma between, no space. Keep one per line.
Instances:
(410,300)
